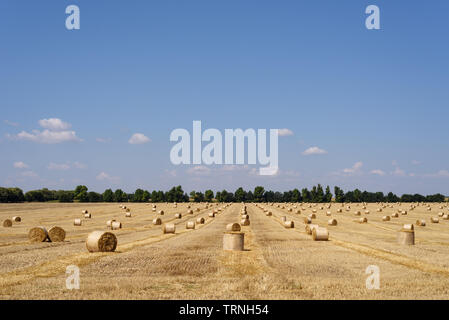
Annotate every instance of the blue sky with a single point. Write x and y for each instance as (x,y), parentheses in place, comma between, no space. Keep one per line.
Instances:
(376,101)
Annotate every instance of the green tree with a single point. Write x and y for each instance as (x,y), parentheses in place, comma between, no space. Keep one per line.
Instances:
(108,195)
(208,195)
(259,194)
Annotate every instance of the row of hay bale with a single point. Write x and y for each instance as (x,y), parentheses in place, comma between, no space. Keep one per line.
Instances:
(41,234)
(7,223)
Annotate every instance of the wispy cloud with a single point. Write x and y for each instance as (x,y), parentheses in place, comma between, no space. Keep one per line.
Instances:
(79,165)
(103,176)
(20,165)
(54,124)
(314,150)
(285,132)
(29,174)
(138,138)
(378,172)
(58,167)
(199,170)
(103,140)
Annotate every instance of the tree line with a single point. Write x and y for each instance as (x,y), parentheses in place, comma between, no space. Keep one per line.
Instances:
(176,194)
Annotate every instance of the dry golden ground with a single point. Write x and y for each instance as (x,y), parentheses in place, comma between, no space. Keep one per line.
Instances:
(278,263)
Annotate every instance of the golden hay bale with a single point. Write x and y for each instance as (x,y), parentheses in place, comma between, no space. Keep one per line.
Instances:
(386,218)
(56,234)
(283,218)
(189,211)
(197,209)
(309,228)
(312,216)
(161,212)
(233,227)
(406,237)
(116,225)
(314,210)
(200,220)
(168,228)
(290,209)
(328,213)
(289,224)
(366,211)
(362,220)
(445,216)
(16,219)
(77,222)
(7,223)
(320,234)
(357,213)
(434,220)
(298,211)
(403,212)
(84,211)
(233,241)
(421,223)
(407,227)
(307,220)
(245,222)
(440,214)
(379,210)
(157,221)
(100,241)
(395,215)
(190,225)
(109,223)
(87,216)
(128,210)
(153,209)
(178,215)
(154,206)
(212,214)
(268,213)
(339,210)
(128,214)
(245,216)
(38,234)
(332,222)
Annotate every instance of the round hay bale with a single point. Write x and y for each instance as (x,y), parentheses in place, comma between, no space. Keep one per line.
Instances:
(298,211)
(161,212)
(38,234)
(128,210)
(434,220)
(116,225)
(87,216)
(56,234)
(332,222)
(404,212)
(200,221)
(109,223)
(357,213)
(245,216)
(245,222)
(339,210)
(16,219)
(233,241)
(445,216)
(189,211)
(309,228)
(312,216)
(269,213)
(440,214)
(366,211)
(84,211)
(233,227)
(408,227)
(320,234)
(307,220)
(421,223)
(328,213)
(283,218)
(157,221)
(314,210)
(395,215)
(127,214)
(7,223)
(197,209)
(406,237)
(190,225)
(289,224)
(379,210)
(100,241)
(386,218)
(212,214)
(178,215)
(77,222)
(168,228)
(153,209)
(362,220)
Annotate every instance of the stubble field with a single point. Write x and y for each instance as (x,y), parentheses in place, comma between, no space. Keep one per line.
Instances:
(277,263)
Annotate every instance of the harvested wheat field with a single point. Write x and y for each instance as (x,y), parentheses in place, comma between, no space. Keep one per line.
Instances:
(279,260)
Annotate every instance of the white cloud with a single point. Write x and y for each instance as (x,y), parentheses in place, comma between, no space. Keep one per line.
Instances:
(29,174)
(20,165)
(54,124)
(378,172)
(314,150)
(171,173)
(284,132)
(355,168)
(138,138)
(10,123)
(48,137)
(398,172)
(79,165)
(103,176)
(199,170)
(103,140)
(58,167)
